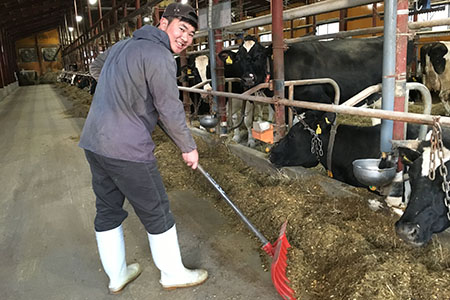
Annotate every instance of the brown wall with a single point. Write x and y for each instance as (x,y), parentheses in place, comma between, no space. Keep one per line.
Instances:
(35,52)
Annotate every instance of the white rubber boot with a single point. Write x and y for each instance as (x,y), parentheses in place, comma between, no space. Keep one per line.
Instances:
(167,258)
(111,248)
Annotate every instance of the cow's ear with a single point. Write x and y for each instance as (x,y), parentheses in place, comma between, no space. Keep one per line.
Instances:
(326,121)
(227,56)
(437,53)
(329,118)
(408,155)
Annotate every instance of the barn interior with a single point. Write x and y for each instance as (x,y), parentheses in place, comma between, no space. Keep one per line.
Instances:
(343,243)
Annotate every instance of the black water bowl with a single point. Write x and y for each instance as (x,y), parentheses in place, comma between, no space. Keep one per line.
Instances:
(209,121)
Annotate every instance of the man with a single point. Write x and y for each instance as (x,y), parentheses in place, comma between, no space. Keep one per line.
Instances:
(136,87)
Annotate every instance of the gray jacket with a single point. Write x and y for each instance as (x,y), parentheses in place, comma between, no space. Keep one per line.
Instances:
(137,84)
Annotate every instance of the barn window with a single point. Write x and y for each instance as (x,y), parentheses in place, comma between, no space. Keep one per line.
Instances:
(229,43)
(327,28)
(265,37)
(441,12)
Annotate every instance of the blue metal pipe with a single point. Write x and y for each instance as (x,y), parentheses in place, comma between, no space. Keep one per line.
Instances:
(388,81)
(212,55)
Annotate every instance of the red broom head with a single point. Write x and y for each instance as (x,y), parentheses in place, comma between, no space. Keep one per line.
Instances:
(278,251)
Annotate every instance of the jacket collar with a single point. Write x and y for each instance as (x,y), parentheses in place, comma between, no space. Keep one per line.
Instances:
(154,34)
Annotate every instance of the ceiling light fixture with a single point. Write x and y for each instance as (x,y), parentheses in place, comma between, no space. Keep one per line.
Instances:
(78,18)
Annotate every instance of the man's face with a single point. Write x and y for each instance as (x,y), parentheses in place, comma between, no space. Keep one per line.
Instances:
(180,33)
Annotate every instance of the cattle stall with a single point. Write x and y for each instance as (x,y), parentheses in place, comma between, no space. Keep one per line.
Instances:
(340,247)
(345,242)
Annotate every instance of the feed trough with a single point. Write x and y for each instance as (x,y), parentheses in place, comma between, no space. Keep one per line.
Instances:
(367,172)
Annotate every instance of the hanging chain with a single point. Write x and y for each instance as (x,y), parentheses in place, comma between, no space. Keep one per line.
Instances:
(316,145)
(316,142)
(437,146)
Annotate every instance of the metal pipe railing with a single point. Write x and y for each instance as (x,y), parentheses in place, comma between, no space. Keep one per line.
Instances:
(427,101)
(418,25)
(426,98)
(292,83)
(295,13)
(363,95)
(356,111)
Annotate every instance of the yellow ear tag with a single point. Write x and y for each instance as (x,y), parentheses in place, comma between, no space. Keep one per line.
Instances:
(329,173)
(189,71)
(327,121)
(229,61)
(372,188)
(406,159)
(318,130)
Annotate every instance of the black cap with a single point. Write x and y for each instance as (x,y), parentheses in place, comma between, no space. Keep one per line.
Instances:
(179,10)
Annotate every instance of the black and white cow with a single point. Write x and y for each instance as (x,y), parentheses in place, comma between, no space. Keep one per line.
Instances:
(190,74)
(351,143)
(353,63)
(83,81)
(200,68)
(426,212)
(434,60)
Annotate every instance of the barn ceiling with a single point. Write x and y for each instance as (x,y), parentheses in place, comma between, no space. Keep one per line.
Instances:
(23,18)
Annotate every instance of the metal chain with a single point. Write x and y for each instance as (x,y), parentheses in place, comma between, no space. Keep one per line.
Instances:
(437,146)
(433,150)
(316,142)
(316,145)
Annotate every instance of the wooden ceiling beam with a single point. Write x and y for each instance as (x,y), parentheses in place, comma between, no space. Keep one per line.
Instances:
(24,34)
(36,26)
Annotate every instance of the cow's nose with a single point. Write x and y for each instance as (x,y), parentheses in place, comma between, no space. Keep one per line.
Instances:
(248,80)
(407,231)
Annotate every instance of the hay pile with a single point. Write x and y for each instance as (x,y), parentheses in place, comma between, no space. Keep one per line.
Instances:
(81,99)
(341,249)
(49,77)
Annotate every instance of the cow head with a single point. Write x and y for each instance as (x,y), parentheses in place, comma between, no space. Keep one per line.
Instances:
(252,59)
(295,148)
(437,55)
(426,212)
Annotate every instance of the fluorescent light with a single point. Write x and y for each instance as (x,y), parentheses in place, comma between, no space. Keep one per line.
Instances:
(146,19)
(70,29)
(92,2)
(184,1)
(78,18)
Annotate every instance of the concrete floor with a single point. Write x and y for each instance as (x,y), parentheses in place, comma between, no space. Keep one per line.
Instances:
(47,241)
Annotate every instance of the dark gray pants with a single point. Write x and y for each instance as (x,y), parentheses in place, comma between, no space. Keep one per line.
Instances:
(140,183)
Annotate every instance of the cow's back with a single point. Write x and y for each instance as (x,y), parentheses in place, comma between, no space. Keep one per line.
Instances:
(353,63)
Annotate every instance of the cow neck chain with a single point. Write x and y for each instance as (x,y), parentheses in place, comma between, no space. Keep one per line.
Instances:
(437,146)
(316,142)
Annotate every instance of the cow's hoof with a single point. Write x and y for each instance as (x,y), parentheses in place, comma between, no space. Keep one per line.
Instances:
(236,138)
(251,143)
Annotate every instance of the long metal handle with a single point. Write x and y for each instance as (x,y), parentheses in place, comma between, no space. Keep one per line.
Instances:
(233,206)
(224,196)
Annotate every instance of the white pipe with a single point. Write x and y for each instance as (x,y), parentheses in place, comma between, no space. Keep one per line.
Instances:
(294,13)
